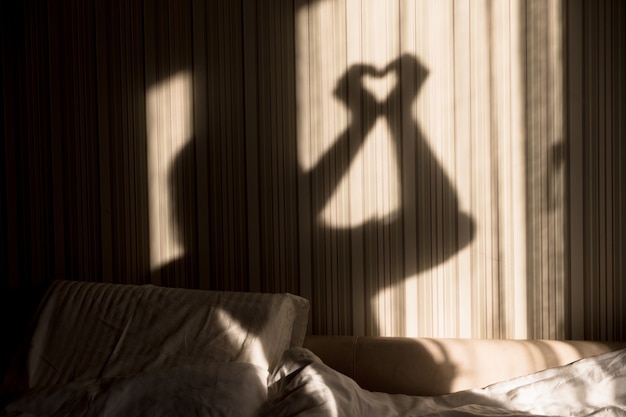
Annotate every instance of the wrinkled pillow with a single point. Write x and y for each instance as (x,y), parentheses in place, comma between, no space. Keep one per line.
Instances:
(95,330)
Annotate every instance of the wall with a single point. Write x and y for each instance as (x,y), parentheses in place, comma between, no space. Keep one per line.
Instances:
(447,168)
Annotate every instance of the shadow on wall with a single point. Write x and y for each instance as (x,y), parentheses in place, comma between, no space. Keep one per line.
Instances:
(225,252)
(429,211)
(182,189)
(368,360)
(433,210)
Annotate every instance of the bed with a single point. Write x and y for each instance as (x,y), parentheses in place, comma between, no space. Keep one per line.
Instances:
(123,350)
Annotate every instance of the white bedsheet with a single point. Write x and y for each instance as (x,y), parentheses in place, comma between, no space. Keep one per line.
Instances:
(303,385)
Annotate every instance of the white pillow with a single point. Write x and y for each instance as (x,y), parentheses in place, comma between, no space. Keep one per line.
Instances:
(94,330)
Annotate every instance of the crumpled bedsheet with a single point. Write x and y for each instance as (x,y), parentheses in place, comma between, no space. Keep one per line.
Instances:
(302,385)
(305,386)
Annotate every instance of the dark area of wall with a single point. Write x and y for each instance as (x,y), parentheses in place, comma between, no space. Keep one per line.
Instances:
(596,105)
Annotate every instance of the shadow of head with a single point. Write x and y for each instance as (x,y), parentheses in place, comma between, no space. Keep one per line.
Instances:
(181,270)
(182,194)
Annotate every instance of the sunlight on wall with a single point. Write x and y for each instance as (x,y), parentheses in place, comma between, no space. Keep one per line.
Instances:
(450,175)
(437,299)
(511,161)
(370,191)
(169,128)
(370,188)
(545,143)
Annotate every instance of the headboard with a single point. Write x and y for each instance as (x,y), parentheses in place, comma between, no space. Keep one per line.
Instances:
(422,366)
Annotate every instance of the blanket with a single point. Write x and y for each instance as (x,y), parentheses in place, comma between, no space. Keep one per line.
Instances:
(302,385)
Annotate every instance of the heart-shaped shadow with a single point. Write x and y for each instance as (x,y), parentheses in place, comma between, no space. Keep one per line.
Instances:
(380,84)
(430,226)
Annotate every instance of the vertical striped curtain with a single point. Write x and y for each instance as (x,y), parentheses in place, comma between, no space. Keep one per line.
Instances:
(474,202)
(434,220)
(596,152)
(447,168)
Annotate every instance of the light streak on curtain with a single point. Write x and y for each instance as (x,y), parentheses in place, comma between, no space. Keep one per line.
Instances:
(545,139)
(170,144)
(456,263)
(169,129)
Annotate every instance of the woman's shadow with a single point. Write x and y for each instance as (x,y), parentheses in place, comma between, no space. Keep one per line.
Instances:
(428,217)
(347,263)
